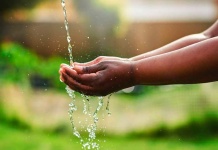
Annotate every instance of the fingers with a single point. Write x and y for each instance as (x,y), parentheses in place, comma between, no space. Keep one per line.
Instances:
(82,78)
(89,69)
(86,79)
(82,68)
(74,85)
(66,65)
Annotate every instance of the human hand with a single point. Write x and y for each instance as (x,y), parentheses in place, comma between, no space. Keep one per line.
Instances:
(99,78)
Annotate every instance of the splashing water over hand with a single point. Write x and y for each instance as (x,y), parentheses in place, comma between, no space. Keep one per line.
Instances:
(91,128)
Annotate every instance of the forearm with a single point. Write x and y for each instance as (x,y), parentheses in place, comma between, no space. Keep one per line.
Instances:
(178,44)
(196,63)
(211,32)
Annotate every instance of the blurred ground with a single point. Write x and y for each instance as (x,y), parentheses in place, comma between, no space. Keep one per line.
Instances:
(136,122)
(170,107)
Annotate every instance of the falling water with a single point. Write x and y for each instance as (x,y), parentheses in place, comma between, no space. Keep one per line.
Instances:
(90,142)
(108,105)
(68,33)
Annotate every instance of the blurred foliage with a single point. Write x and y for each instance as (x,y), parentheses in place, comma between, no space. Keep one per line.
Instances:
(8,5)
(20,65)
(194,129)
(204,126)
(16,62)
(14,121)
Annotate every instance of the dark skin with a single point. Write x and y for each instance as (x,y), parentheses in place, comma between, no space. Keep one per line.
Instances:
(191,59)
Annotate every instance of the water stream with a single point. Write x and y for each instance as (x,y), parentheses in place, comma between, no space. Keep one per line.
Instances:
(90,142)
(67,30)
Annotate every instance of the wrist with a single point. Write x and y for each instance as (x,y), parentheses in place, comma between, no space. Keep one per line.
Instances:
(141,71)
(133,71)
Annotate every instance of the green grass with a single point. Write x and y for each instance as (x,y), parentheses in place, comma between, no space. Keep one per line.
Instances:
(18,139)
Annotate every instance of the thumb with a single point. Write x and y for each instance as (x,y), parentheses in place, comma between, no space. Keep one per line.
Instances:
(88,69)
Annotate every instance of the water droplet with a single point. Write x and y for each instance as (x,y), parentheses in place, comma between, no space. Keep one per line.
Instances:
(90,141)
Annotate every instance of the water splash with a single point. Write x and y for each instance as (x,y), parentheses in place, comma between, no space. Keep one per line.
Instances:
(92,128)
(90,142)
(108,105)
(86,104)
(72,109)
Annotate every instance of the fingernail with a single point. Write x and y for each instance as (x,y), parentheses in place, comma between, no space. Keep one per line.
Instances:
(61,80)
(60,70)
(63,64)
(72,66)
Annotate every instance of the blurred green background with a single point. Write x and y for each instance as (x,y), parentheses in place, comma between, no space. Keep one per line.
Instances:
(34,103)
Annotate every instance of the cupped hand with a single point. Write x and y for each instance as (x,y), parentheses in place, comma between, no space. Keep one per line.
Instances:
(99,78)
